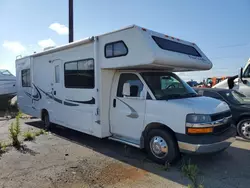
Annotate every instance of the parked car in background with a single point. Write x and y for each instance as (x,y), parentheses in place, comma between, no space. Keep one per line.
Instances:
(192,83)
(238,103)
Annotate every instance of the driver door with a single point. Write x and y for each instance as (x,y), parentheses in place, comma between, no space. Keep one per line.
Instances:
(127,112)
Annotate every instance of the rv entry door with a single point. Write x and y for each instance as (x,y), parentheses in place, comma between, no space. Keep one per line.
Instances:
(127,107)
(56,87)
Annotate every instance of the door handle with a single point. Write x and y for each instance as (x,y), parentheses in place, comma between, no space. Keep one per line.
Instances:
(114,103)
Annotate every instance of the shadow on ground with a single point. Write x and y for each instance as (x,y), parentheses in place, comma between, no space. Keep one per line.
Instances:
(230,168)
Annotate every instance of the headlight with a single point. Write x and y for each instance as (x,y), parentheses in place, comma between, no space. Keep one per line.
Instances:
(198,118)
(198,124)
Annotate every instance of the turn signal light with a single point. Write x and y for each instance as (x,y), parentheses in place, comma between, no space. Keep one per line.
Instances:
(200,130)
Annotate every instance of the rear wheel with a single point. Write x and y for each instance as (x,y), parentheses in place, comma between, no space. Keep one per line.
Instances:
(46,120)
(243,128)
(161,146)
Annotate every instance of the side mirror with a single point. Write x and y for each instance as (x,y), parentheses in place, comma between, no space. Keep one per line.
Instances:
(126,89)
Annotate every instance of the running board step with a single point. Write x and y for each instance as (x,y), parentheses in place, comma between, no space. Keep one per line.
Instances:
(125,142)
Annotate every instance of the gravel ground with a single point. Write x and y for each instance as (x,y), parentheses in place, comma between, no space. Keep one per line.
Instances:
(68,159)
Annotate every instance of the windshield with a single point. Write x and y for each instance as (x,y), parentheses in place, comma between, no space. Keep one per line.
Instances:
(166,85)
(236,97)
(5,72)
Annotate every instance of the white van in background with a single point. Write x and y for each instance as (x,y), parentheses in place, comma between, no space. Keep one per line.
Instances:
(240,83)
(121,85)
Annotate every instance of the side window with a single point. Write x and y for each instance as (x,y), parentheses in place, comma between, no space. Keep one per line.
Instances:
(26,82)
(57,74)
(212,94)
(136,86)
(115,49)
(79,74)
(246,74)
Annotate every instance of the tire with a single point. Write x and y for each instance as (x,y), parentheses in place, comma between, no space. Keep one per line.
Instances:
(155,144)
(46,121)
(243,128)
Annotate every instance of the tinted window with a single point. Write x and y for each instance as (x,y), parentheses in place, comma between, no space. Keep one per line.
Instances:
(166,85)
(26,82)
(57,74)
(136,85)
(212,94)
(115,49)
(175,46)
(79,74)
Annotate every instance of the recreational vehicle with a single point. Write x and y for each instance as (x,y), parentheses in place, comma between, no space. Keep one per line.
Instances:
(121,86)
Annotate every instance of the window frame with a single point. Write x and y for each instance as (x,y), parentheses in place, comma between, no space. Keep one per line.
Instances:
(247,70)
(77,70)
(29,85)
(57,79)
(112,43)
(118,84)
(155,38)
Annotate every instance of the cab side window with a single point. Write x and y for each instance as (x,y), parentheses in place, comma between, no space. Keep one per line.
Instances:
(136,86)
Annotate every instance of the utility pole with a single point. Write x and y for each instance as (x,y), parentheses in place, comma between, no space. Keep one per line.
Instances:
(71,22)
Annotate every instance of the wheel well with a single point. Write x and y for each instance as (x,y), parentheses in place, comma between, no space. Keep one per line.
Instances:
(43,112)
(243,117)
(155,125)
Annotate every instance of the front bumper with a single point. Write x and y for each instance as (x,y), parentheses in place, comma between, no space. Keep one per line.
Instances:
(206,143)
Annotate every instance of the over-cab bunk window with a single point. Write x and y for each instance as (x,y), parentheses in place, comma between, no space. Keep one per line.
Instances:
(79,74)
(173,46)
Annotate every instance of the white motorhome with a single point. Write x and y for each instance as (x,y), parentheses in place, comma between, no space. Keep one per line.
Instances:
(121,85)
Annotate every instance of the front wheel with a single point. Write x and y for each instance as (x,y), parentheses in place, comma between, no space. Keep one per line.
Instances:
(243,129)
(161,146)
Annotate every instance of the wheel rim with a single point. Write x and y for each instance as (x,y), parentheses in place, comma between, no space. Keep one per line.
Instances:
(245,129)
(159,147)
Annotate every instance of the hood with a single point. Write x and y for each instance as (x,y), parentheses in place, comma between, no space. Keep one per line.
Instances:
(203,105)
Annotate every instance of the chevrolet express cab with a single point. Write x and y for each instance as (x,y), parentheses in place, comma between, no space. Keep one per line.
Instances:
(121,85)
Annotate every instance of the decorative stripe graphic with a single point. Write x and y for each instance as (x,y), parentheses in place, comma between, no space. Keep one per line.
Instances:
(70,104)
(28,94)
(38,96)
(133,113)
(92,101)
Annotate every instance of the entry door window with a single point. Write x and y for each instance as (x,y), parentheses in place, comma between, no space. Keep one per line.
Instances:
(57,74)
(136,86)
